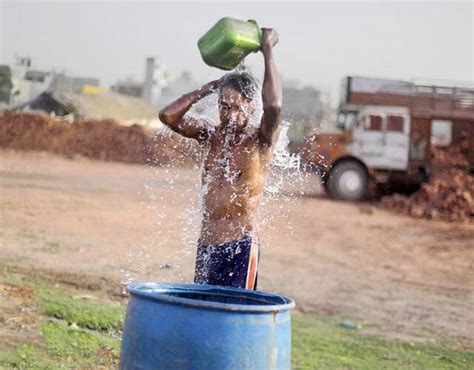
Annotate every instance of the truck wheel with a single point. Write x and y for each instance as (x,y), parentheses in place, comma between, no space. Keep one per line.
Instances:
(348,181)
(324,182)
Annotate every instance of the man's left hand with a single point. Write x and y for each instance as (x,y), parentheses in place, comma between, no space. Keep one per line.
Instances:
(270,38)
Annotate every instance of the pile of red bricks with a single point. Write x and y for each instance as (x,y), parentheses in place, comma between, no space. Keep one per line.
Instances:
(449,194)
(104,139)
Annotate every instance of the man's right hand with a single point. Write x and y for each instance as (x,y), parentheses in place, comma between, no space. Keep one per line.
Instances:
(210,86)
(173,115)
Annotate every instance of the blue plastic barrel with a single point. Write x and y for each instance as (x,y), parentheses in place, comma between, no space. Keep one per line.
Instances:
(203,327)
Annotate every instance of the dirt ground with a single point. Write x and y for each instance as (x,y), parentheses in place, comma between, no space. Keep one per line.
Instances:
(399,276)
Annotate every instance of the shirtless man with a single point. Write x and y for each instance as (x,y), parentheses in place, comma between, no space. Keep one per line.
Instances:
(234,169)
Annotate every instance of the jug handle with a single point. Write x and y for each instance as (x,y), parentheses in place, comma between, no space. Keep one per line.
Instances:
(260,33)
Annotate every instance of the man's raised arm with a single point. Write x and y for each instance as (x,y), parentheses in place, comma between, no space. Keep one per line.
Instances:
(173,114)
(271,90)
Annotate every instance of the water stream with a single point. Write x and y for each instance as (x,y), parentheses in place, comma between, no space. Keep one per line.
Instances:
(161,197)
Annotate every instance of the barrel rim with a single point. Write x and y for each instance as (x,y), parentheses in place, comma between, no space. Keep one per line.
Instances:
(136,289)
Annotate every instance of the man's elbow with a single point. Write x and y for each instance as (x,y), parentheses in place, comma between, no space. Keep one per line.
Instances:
(273,104)
(165,117)
(273,109)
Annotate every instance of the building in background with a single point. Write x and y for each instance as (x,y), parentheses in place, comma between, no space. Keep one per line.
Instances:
(126,110)
(62,82)
(175,87)
(27,82)
(150,89)
(6,85)
(22,82)
(24,88)
(128,87)
(305,108)
(149,83)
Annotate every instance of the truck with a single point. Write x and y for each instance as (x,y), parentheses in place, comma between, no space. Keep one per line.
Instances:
(385,134)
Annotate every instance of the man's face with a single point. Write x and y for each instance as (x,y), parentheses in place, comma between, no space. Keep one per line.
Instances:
(235,109)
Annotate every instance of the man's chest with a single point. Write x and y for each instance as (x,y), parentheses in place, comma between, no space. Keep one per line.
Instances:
(233,160)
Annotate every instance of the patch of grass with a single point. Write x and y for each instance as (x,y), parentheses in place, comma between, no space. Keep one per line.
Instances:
(70,305)
(27,357)
(322,344)
(92,315)
(12,278)
(64,348)
(318,343)
(61,345)
(79,348)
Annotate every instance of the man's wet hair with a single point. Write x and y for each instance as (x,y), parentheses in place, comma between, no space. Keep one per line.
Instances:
(244,83)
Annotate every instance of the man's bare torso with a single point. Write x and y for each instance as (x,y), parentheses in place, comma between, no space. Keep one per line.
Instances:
(235,166)
(233,179)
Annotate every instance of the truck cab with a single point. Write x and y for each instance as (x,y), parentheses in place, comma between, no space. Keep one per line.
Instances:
(374,145)
(380,137)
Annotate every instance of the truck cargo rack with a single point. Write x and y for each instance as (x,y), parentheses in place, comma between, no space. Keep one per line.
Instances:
(436,101)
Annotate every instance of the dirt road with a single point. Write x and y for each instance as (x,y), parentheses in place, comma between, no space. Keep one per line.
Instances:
(399,276)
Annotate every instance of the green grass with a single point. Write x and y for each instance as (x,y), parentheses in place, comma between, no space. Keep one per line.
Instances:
(27,357)
(60,304)
(64,348)
(322,344)
(69,304)
(78,347)
(74,332)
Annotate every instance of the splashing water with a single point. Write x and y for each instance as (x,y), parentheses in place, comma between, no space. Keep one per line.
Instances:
(283,162)
(171,244)
(285,178)
(241,67)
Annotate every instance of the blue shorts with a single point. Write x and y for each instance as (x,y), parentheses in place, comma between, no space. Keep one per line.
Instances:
(232,264)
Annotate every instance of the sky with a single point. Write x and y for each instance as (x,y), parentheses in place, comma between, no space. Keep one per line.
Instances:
(320,42)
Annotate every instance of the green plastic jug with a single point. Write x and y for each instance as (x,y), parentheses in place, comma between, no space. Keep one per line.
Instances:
(229,41)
